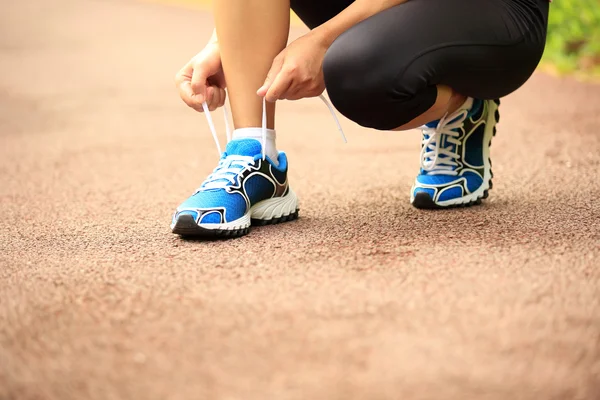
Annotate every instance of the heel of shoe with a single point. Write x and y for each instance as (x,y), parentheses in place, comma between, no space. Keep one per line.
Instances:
(275,210)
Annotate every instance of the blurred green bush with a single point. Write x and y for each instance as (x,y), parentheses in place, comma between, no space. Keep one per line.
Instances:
(573,43)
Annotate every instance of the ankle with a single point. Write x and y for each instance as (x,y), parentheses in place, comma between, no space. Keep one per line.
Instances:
(456,101)
(256,133)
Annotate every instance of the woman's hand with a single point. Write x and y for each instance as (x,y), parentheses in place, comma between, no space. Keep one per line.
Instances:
(202,79)
(297,71)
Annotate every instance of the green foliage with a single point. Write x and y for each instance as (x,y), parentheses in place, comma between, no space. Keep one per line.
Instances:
(573,42)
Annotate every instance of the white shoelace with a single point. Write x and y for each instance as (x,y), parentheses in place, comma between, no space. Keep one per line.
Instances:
(232,165)
(226,172)
(436,159)
(211,125)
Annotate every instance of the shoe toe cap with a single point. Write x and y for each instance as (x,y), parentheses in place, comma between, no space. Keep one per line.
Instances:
(424,191)
(193,213)
(423,198)
(200,217)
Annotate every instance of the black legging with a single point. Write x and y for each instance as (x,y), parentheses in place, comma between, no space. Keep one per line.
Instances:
(383,72)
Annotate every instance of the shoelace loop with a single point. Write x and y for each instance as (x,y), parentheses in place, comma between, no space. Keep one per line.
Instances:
(226,171)
(436,159)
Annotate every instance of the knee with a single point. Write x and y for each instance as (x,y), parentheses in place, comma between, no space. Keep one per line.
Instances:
(366,88)
(355,84)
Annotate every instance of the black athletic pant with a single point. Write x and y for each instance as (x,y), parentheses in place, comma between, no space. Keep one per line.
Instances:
(383,72)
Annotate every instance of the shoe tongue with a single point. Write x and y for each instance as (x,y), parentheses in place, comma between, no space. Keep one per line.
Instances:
(243,147)
(236,147)
(433,124)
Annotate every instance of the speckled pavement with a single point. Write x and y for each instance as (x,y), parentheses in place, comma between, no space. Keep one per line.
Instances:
(363,297)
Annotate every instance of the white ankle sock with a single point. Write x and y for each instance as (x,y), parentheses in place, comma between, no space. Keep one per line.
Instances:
(256,133)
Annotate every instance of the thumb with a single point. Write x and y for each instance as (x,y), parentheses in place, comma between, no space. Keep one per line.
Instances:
(199,83)
(204,66)
(275,68)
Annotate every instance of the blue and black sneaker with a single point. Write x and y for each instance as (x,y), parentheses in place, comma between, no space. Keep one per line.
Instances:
(456,169)
(246,188)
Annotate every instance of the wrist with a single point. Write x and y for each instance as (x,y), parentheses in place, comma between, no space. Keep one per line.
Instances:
(323,35)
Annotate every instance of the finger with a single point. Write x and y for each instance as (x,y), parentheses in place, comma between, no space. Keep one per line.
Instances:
(187,95)
(302,91)
(184,74)
(215,99)
(199,78)
(223,96)
(210,94)
(282,83)
(183,82)
(220,98)
(271,75)
(292,94)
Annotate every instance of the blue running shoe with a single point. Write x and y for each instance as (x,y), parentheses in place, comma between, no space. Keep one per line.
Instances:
(245,188)
(456,169)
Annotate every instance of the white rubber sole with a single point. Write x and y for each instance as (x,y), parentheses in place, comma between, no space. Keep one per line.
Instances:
(264,212)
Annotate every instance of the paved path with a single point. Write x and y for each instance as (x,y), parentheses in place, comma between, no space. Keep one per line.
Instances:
(362,298)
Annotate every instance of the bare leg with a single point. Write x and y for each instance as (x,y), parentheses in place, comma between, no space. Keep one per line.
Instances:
(447,102)
(250,33)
